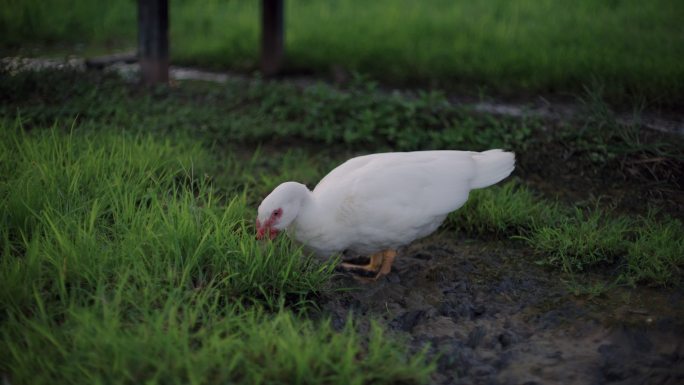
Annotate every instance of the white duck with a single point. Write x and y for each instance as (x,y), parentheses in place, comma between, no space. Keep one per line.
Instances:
(374,204)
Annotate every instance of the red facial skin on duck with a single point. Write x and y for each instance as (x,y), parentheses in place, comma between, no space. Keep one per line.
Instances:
(267,227)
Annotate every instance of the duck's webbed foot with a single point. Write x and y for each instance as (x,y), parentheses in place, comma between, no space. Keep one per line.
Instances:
(380,264)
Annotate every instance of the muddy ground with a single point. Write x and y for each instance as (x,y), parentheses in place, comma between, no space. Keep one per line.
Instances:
(490,315)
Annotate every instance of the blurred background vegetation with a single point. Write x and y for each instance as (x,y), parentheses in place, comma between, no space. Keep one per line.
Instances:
(631,48)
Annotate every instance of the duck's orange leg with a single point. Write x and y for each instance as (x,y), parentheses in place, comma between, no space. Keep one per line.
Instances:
(387,262)
(373,265)
(380,264)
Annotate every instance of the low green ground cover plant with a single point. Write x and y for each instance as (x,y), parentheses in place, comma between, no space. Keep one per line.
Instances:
(256,111)
(361,116)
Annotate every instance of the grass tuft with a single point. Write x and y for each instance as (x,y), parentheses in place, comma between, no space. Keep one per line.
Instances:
(582,240)
(657,253)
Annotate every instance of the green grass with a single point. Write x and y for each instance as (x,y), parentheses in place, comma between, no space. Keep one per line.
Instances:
(657,253)
(582,239)
(641,249)
(122,264)
(199,344)
(128,252)
(89,25)
(631,47)
(84,207)
(361,117)
(292,124)
(505,210)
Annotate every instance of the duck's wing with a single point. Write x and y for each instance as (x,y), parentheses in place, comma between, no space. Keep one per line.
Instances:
(342,171)
(408,187)
(425,183)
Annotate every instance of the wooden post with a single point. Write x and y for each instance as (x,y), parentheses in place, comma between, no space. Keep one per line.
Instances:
(153,40)
(272,36)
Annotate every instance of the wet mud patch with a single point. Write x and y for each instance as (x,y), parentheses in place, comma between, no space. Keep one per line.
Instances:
(489,315)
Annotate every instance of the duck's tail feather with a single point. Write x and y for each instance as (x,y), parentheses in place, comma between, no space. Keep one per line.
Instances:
(492,166)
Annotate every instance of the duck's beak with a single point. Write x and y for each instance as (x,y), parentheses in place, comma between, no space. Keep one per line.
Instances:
(266,229)
(260,230)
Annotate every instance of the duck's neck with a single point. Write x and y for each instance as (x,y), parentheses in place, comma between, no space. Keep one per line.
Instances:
(306,196)
(315,226)
(300,194)
(307,208)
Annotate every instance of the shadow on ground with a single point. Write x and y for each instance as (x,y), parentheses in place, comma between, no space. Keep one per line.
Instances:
(491,316)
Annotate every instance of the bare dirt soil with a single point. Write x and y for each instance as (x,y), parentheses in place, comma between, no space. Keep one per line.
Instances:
(490,315)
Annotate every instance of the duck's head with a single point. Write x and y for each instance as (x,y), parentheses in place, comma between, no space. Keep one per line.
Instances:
(277,211)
